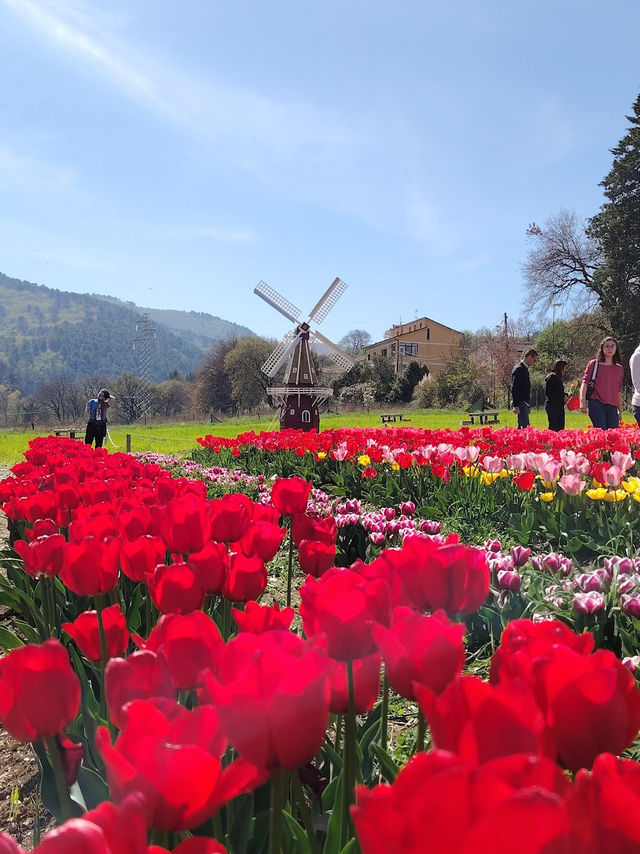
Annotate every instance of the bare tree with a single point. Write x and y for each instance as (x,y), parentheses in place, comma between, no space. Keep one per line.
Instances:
(61,397)
(561,263)
(355,341)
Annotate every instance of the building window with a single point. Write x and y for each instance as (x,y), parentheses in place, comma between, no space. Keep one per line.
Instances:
(305,376)
(384,352)
(409,349)
(368,357)
(428,333)
(393,348)
(292,412)
(306,416)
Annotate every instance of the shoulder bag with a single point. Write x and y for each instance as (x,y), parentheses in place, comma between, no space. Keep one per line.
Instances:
(591,385)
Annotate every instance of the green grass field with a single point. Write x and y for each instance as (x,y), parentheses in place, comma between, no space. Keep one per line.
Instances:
(180,438)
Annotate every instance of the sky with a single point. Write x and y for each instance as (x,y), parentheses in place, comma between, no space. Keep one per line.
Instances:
(177,153)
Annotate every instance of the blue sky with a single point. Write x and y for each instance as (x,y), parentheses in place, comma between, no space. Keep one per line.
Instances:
(175,153)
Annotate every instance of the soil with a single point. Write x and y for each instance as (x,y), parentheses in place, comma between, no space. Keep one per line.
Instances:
(20,807)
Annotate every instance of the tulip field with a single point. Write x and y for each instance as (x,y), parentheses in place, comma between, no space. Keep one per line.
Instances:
(359,640)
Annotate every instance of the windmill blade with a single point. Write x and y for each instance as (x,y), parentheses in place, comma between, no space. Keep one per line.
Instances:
(277,301)
(327,301)
(336,354)
(279,355)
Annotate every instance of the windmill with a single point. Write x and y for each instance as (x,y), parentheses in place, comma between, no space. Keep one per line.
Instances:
(299,399)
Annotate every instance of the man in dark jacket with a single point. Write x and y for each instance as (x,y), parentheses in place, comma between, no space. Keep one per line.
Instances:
(521,387)
(97,423)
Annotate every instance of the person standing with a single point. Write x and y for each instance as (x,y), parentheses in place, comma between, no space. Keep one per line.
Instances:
(521,387)
(97,424)
(605,403)
(634,367)
(554,396)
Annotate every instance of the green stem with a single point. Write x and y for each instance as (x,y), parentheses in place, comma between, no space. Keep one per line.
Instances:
(349,761)
(422,728)
(58,773)
(307,818)
(384,717)
(290,570)
(46,607)
(278,786)
(100,602)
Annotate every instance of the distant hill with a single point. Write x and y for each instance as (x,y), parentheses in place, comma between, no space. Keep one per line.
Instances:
(44,332)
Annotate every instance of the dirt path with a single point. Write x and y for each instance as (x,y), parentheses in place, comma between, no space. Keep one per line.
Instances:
(18,767)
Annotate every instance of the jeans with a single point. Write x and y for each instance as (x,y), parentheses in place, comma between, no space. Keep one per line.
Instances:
(636,414)
(603,415)
(523,414)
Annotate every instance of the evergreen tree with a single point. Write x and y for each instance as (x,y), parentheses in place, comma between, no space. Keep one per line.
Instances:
(616,228)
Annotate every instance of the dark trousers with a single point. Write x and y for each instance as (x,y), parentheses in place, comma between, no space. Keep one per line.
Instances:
(603,415)
(555,414)
(636,414)
(523,415)
(96,430)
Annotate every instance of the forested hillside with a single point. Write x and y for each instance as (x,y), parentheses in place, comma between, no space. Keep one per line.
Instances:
(46,332)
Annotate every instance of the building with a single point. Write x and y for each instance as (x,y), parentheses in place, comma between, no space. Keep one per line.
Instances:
(422,340)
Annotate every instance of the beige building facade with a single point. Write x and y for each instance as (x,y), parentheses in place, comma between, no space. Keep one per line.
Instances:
(422,340)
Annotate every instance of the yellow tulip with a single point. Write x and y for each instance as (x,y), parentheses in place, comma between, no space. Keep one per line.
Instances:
(546,496)
(395,466)
(364,459)
(321,455)
(597,494)
(615,495)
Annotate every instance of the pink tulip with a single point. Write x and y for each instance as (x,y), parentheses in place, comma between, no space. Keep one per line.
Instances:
(571,484)
(589,603)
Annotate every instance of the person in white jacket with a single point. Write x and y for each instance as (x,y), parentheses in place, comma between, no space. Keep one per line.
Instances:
(634,367)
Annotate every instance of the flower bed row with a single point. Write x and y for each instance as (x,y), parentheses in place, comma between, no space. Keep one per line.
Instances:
(207,714)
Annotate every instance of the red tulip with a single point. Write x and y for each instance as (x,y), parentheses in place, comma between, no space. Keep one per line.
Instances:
(246,579)
(479,721)
(140,557)
(304,527)
(85,632)
(441,804)
(176,589)
(39,692)
(290,495)
(134,522)
(42,555)
(230,517)
(211,565)
(315,557)
(366,684)
(451,577)
(591,704)
(172,756)
(263,618)
(265,686)
(185,525)
(343,605)
(190,643)
(524,642)
(193,845)
(91,566)
(262,539)
(143,675)
(427,650)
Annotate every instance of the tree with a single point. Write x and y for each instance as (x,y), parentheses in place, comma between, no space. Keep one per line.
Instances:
(406,382)
(243,364)
(61,397)
(172,397)
(616,229)
(355,341)
(130,395)
(561,263)
(212,384)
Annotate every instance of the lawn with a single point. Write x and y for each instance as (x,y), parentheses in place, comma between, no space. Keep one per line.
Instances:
(180,438)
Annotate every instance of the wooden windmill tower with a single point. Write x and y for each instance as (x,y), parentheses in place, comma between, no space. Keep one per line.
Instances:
(299,398)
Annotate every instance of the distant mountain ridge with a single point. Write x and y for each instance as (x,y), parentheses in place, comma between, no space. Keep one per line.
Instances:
(45,332)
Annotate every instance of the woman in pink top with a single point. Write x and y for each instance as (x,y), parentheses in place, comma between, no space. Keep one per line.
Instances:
(605,404)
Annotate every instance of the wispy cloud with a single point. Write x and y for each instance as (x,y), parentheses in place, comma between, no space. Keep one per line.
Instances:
(31,174)
(253,124)
(218,235)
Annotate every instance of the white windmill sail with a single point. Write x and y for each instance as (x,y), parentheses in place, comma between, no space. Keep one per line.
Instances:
(327,301)
(331,351)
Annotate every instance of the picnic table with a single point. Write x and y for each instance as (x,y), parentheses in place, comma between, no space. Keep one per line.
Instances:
(71,432)
(485,417)
(389,417)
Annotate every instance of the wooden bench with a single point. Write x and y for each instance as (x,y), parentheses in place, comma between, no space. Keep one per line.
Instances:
(71,432)
(486,417)
(389,417)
